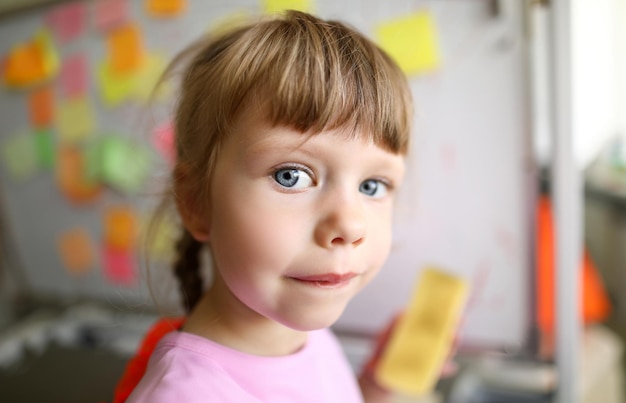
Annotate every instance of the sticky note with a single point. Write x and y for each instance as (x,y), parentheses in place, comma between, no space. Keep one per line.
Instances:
(72,176)
(119,266)
(19,154)
(144,84)
(108,14)
(31,63)
(114,89)
(45,148)
(74,76)
(277,6)
(76,250)
(40,107)
(165,8)
(123,164)
(75,119)
(160,237)
(120,228)
(163,140)
(67,21)
(412,41)
(422,338)
(125,49)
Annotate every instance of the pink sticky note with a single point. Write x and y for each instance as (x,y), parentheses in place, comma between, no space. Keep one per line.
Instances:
(119,266)
(163,140)
(110,13)
(74,76)
(67,21)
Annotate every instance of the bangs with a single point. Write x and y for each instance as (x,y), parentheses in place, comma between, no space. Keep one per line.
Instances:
(330,77)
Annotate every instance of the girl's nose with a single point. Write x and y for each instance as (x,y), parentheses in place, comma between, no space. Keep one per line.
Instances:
(342,225)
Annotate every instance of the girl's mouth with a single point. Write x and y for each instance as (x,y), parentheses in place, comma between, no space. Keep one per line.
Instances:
(327,280)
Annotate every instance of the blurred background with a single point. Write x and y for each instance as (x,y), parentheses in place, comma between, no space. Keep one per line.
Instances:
(86,146)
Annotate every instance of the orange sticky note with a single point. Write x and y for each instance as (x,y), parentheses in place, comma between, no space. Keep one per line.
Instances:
(40,105)
(165,8)
(30,63)
(125,49)
(72,176)
(412,41)
(76,250)
(24,66)
(120,228)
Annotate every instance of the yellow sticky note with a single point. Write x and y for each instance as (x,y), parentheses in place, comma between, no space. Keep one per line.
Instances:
(125,50)
(19,154)
(146,80)
(412,42)
(165,8)
(277,6)
(75,119)
(423,336)
(114,89)
(159,237)
(76,250)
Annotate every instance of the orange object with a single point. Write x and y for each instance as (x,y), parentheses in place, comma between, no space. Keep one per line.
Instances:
(594,305)
(72,178)
(165,8)
(40,103)
(31,62)
(24,65)
(125,50)
(136,367)
(120,228)
(77,251)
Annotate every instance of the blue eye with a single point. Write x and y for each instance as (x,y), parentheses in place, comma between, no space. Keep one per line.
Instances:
(293,178)
(373,188)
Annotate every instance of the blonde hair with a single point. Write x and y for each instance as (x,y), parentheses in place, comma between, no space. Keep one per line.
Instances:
(311,75)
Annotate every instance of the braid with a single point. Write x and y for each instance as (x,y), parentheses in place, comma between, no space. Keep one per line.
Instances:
(187,269)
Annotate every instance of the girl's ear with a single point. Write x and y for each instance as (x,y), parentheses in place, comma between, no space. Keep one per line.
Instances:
(192,210)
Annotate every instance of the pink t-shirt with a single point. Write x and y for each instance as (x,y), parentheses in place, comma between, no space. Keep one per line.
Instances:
(189,368)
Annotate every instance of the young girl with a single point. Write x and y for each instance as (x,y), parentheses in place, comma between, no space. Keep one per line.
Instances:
(291,134)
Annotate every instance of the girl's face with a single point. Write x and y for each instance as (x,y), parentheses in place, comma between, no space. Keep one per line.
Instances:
(298,225)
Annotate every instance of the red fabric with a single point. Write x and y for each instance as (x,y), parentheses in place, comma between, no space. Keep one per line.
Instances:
(136,367)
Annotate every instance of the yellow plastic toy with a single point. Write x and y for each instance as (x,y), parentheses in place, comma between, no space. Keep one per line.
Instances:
(422,338)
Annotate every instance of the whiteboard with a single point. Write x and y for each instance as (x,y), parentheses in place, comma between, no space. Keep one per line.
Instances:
(464,206)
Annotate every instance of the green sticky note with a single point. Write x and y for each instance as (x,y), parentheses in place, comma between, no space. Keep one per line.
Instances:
(45,148)
(123,164)
(412,41)
(19,153)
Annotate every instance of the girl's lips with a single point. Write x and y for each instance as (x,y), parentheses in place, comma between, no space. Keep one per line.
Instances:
(327,279)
